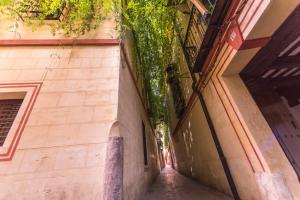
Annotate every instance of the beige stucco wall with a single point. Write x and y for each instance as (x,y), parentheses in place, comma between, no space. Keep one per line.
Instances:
(16,29)
(137,176)
(259,167)
(61,154)
(131,113)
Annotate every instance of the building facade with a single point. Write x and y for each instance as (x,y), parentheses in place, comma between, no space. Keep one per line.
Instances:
(238,130)
(70,126)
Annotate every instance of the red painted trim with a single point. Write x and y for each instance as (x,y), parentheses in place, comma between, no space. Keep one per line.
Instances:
(192,101)
(250,6)
(19,130)
(189,106)
(217,75)
(208,62)
(13,145)
(255,43)
(252,16)
(245,152)
(63,42)
(215,68)
(33,100)
(235,112)
(20,124)
(214,49)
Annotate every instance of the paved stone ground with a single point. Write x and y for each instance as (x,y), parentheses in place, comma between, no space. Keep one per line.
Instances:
(170,185)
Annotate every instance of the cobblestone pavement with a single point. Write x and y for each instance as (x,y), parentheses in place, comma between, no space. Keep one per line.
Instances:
(170,185)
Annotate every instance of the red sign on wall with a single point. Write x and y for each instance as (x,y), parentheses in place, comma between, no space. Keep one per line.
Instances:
(234,35)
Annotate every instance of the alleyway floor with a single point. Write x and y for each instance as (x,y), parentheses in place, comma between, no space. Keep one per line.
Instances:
(170,185)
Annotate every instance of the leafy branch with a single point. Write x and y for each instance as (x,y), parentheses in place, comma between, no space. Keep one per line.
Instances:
(79,16)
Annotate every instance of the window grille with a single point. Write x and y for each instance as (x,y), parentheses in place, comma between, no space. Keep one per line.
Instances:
(175,88)
(32,9)
(8,112)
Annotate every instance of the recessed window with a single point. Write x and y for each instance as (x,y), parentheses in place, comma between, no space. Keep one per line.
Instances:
(145,144)
(8,111)
(175,87)
(16,104)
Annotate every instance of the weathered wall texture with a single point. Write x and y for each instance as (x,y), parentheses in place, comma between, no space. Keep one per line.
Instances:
(9,30)
(131,113)
(62,149)
(85,98)
(259,167)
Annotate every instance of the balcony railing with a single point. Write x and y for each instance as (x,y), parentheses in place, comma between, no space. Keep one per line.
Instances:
(194,35)
(205,21)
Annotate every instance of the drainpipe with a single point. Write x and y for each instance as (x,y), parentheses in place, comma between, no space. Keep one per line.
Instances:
(209,120)
(213,133)
(216,141)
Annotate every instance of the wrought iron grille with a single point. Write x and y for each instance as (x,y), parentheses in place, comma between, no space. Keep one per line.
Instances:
(196,29)
(32,9)
(175,87)
(8,113)
(209,4)
(194,35)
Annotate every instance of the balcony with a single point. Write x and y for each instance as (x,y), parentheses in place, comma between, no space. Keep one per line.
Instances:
(205,20)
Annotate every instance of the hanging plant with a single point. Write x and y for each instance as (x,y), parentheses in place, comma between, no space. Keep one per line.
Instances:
(76,17)
(151,21)
(152,24)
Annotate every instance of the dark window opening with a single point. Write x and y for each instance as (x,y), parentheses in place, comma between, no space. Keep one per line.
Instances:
(145,144)
(273,79)
(8,112)
(175,87)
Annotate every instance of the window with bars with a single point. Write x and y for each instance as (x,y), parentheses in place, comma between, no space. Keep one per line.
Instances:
(145,144)
(32,9)
(8,111)
(175,87)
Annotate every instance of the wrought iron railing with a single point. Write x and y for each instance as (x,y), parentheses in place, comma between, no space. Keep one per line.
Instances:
(205,20)
(198,22)
(194,35)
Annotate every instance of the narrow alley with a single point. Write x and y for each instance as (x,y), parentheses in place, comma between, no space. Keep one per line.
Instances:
(170,185)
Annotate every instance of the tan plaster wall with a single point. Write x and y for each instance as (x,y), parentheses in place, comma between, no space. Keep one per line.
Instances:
(61,154)
(137,176)
(278,180)
(62,150)
(247,141)
(196,154)
(131,113)
(9,30)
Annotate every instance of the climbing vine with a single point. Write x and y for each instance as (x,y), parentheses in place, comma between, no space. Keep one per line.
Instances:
(151,22)
(77,16)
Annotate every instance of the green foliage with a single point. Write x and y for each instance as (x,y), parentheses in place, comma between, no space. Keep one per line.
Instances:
(152,25)
(150,20)
(80,16)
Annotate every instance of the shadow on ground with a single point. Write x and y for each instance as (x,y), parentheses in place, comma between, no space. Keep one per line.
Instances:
(170,185)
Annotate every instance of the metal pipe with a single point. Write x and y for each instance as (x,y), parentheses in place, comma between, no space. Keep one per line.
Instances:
(209,122)
(217,144)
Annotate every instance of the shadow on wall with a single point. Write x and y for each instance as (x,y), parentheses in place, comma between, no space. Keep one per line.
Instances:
(196,154)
